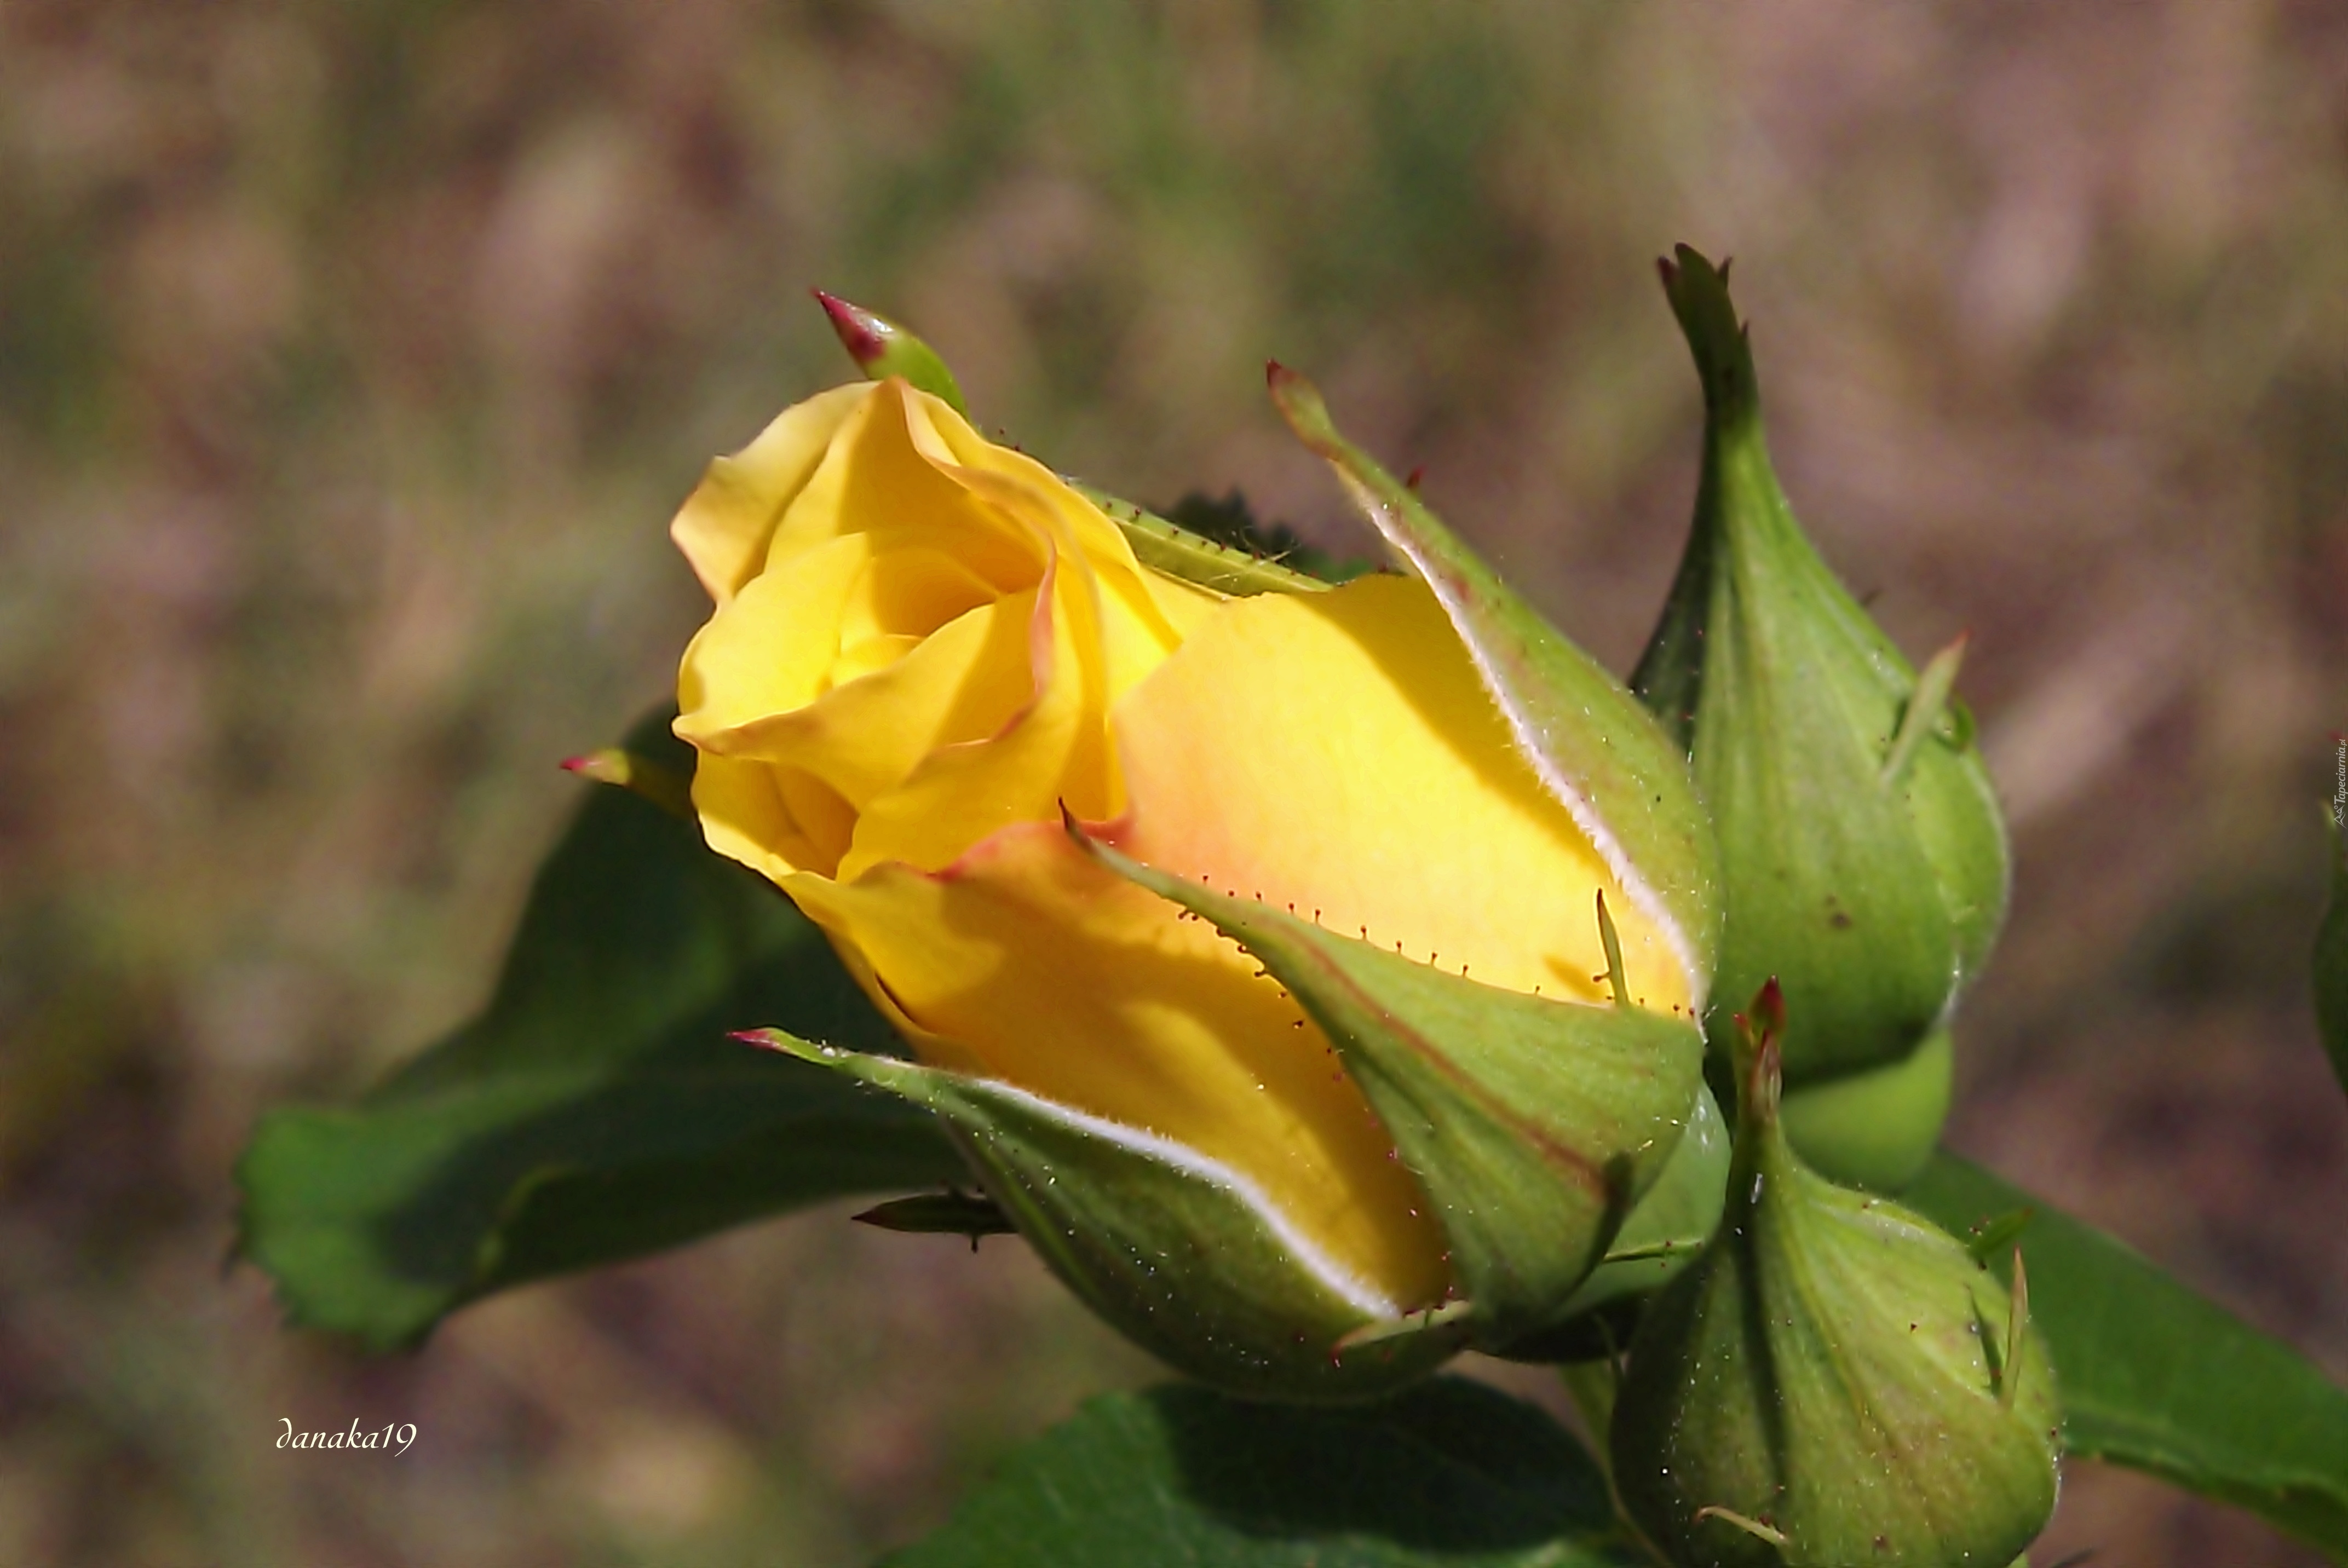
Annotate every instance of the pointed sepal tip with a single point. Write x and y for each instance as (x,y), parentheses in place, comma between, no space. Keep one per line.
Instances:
(882,348)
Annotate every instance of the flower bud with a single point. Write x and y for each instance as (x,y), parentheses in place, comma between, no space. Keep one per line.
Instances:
(1876,1128)
(1043,771)
(1862,852)
(1835,1381)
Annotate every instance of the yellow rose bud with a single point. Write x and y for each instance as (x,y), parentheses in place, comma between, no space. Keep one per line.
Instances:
(925,648)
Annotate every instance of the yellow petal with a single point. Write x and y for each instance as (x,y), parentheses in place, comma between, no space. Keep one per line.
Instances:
(770,648)
(908,591)
(881,480)
(772,819)
(1054,749)
(724,525)
(1186,606)
(1139,621)
(1334,753)
(965,683)
(1028,963)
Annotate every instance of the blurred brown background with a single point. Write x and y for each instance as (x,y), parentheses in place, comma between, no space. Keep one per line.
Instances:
(354,356)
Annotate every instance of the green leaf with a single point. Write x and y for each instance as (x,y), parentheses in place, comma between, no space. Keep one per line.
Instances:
(1450,1472)
(2157,1377)
(2331,944)
(596,1110)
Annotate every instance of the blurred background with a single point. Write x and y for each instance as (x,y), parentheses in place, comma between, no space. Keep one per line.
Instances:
(354,357)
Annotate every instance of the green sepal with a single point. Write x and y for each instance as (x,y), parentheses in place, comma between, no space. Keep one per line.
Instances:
(1534,1124)
(1665,1232)
(1834,1372)
(1166,547)
(2332,948)
(1861,846)
(1667,1227)
(1876,1128)
(1624,780)
(881,348)
(1170,1250)
(640,775)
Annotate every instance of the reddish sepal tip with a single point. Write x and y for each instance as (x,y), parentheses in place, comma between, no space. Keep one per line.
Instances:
(858,335)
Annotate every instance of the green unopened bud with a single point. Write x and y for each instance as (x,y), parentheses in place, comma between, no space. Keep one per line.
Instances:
(1862,852)
(1834,1382)
(1182,1255)
(1876,1128)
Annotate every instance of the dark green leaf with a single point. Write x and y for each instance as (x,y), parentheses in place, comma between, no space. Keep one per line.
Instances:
(2157,1377)
(1451,1472)
(596,1110)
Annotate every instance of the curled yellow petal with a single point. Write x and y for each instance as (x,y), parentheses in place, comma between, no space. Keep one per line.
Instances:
(725,526)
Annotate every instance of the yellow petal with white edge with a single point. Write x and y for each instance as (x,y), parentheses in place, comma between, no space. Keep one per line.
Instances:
(724,525)
(1026,962)
(1336,755)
